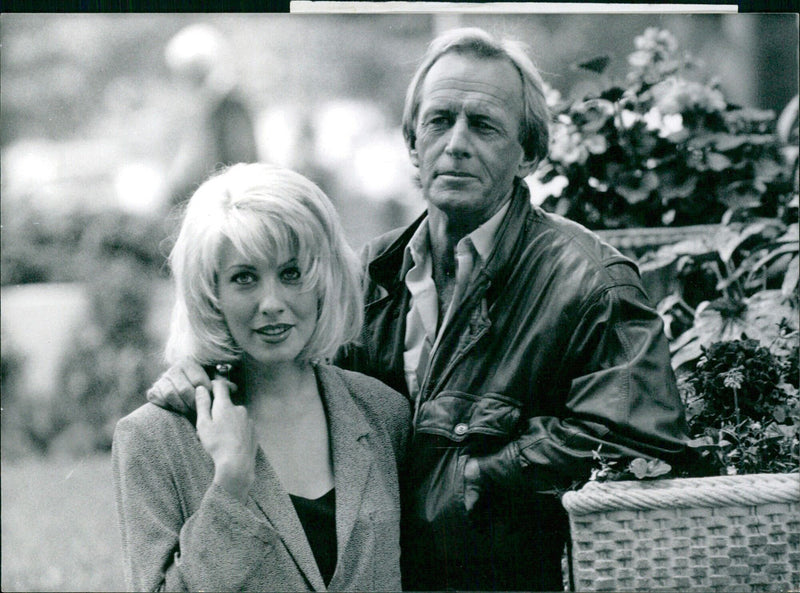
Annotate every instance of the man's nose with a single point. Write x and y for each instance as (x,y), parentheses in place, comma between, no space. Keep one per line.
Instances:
(458,145)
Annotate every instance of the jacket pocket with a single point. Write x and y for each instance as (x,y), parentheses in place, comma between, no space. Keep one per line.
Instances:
(457,415)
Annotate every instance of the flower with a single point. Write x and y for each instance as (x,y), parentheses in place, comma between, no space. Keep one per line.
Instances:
(660,149)
(565,145)
(665,124)
(676,95)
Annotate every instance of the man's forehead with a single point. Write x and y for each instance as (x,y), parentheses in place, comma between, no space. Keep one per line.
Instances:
(465,76)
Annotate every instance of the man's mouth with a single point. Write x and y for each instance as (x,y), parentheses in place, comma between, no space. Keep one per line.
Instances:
(462,174)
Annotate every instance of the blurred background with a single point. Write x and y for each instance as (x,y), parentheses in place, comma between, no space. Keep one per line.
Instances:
(104,132)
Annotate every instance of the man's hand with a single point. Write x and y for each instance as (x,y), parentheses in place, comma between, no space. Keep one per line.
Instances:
(175,389)
(472,475)
(227,433)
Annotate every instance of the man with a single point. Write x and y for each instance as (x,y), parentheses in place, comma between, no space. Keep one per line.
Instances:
(223,133)
(524,342)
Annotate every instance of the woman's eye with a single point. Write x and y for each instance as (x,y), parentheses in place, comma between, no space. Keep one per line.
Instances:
(291,274)
(243,278)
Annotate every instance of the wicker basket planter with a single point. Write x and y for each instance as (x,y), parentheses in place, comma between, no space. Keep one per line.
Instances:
(727,533)
(639,239)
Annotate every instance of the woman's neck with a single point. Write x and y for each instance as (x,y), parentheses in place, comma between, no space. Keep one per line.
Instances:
(290,383)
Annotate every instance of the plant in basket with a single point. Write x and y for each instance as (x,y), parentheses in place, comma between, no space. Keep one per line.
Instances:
(729,523)
(733,326)
(660,148)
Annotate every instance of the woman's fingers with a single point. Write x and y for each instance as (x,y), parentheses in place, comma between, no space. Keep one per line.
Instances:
(202,400)
(222,393)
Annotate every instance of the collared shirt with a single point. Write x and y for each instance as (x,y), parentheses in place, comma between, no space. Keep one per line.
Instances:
(423,315)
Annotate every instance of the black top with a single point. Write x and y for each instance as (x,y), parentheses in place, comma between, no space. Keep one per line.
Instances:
(318,518)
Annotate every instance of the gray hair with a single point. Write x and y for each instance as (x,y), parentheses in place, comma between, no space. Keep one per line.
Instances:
(534,130)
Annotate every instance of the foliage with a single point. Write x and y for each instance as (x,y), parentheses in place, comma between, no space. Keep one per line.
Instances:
(748,274)
(735,344)
(41,246)
(743,408)
(637,468)
(660,149)
(112,358)
(111,361)
(736,351)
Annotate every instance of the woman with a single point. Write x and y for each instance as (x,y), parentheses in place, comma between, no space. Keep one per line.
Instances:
(288,481)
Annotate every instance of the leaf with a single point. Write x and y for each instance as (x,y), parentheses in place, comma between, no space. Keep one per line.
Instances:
(729,240)
(613,94)
(792,234)
(779,414)
(773,255)
(636,187)
(741,198)
(759,319)
(792,277)
(717,161)
(680,190)
(703,443)
(656,467)
(597,65)
(638,468)
(687,351)
(725,142)
(767,170)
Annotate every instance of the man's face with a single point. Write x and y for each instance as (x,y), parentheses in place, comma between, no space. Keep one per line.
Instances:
(467,135)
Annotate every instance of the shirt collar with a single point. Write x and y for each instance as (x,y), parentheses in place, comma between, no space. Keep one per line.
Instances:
(482,239)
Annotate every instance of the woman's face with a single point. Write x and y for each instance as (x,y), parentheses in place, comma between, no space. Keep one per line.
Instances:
(269,315)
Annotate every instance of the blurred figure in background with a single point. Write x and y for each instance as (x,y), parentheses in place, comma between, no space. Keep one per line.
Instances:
(224,133)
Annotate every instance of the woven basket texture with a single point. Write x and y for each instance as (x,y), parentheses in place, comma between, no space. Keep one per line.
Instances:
(727,533)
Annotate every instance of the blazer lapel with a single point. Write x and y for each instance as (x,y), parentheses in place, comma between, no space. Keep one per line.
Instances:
(349,433)
(273,501)
(349,430)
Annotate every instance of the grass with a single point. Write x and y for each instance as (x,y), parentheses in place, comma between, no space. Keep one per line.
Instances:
(59,526)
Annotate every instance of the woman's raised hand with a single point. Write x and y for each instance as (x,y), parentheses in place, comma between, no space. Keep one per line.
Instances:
(227,433)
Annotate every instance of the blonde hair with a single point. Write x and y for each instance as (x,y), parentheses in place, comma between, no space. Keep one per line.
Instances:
(475,42)
(264,212)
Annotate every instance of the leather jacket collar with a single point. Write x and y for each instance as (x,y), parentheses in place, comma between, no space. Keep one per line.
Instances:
(387,268)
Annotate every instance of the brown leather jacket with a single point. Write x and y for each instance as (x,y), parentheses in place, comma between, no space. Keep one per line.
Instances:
(555,352)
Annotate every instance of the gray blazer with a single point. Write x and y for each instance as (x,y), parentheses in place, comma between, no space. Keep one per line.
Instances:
(181,532)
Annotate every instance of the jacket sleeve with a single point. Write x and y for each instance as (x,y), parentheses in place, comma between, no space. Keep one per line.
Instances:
(217,548)
(622,399)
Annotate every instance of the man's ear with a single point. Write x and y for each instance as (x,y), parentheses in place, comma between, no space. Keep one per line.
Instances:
(411,145)
(414,156)
(526,167)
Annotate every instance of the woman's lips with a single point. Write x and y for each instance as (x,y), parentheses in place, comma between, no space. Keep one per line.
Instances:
(275,332)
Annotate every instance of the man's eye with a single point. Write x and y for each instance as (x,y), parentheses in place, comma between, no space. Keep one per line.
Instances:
(481,125)
(439,120)
(291,274)
(243,278)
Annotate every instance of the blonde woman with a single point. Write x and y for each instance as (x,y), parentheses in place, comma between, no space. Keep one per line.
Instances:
(287,480)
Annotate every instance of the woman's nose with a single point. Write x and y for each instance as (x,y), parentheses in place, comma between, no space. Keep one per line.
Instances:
(271,300)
